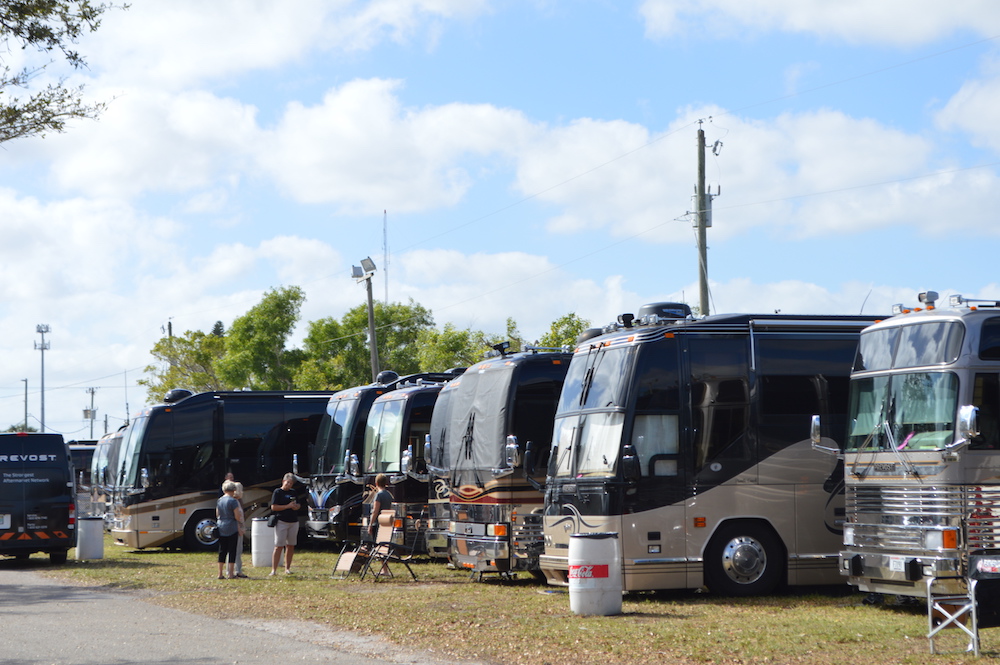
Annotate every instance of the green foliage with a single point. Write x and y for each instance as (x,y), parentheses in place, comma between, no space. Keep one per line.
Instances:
(47,26)
(451,347)
(19,428)
(256,357)
(188,362)
(564,331)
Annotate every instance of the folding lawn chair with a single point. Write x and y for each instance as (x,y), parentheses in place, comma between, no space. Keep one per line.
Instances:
(386,551)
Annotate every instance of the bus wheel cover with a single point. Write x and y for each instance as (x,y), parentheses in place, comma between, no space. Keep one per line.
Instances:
(744,560)
(196,531)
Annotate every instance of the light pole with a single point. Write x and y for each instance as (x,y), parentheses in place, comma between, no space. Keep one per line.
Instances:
(41,329)
(25,405)
(364,274)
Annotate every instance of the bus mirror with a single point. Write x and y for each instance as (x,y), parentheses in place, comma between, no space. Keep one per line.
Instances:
(295,463)
(405,460)
(427,448)
(529,458)
(968,426)
(816,436)
(512,456)
(354,465)
(144,478)
(631,469)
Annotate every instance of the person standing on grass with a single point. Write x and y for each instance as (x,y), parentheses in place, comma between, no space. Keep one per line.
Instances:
(286,531)
(238,495)
(229,518)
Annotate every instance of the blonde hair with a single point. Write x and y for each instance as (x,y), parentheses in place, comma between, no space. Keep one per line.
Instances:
(229,486)
(238,492)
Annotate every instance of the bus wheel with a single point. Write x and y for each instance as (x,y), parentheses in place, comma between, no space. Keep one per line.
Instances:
(196,532)
(744,560)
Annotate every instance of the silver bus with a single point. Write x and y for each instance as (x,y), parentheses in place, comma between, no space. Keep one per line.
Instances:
(690,438)
(922,455)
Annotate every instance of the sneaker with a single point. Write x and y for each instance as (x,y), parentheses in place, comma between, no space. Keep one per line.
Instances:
(271,574)
(242,576)
(288,571)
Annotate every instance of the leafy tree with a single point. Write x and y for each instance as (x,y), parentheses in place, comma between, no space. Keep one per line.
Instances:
(20,428)
(517,342)
(451,347)
(188,362)
(48,26)
(337,353)
(564,331)
(256,357)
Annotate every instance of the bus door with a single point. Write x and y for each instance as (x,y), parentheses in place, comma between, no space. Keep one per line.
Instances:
(653,529)
(722,450)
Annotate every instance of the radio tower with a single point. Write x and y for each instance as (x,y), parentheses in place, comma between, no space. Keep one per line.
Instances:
(385,252)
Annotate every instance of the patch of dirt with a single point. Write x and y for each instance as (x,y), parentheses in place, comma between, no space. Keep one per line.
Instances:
(364,645)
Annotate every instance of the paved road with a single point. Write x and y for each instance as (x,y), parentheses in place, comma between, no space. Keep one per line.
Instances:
(47,622)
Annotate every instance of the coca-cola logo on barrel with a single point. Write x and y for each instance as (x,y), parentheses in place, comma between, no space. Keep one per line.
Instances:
(588,571)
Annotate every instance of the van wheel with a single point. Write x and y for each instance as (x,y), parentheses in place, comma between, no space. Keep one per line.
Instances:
(58,557)
(744,559)
(196,536)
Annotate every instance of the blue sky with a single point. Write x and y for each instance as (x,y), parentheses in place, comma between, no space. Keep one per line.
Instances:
(532,158)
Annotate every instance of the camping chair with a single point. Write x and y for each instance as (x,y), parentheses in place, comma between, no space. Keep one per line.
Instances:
(351,562)
(386,551)
(359,558)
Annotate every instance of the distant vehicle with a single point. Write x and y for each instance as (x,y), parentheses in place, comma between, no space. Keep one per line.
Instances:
(335,496)
(922,453)
(37,496)
(82,455)
(104,468)
(398,423)
(496,409)
(690,438)
(174,457)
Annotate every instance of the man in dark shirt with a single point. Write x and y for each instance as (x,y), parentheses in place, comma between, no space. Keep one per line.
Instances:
(286,531)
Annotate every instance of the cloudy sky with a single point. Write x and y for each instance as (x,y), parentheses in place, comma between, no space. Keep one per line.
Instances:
(527,158)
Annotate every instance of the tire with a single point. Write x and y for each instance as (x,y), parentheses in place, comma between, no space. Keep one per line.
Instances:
(744,559)
(58,557)
(196,536)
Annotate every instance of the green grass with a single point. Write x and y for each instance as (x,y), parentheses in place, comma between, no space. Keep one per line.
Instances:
(522,621)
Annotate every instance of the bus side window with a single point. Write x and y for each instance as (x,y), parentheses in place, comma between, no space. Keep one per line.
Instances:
(656,441)
(986,396)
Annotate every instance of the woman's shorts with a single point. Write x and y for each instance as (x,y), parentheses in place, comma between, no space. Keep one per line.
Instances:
(286,533)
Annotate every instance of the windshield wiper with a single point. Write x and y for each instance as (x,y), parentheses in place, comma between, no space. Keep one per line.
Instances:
(897,450)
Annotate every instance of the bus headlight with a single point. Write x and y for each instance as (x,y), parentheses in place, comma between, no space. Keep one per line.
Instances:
(848,535)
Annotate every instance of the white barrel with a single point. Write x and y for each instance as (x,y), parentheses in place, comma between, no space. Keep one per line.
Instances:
(261,542)
(595,574)
(89,538)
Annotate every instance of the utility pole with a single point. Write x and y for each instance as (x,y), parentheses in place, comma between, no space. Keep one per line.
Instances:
(25,428)
(385,253)
(91,414)
(702,221)
(41,329)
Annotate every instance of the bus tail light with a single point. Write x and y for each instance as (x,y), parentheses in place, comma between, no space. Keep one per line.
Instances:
(72,514)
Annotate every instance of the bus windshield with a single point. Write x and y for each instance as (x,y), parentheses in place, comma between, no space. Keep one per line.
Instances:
(334,436)
(131,451)
(911,411)
(382,435)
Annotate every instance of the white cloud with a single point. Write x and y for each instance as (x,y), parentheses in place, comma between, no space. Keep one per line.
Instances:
(362,151)
(895,22)
(182,43)
(156,142)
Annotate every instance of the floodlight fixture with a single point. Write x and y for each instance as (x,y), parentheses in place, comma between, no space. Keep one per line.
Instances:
(368,264)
